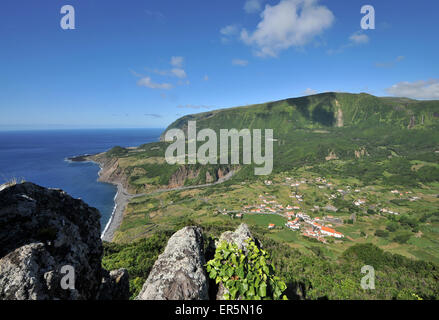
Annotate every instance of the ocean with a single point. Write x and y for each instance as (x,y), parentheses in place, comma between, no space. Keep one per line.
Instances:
(40,157)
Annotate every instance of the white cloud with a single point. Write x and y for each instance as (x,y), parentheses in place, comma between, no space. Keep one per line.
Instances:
(159,72)
(176,71)
(356,39)
(359,38)
(177,61)
(229,30)
(309,92)
(134,73)
(287,24)
(179,73)
(253,6)
(421,89)
(147,82)
(240,62)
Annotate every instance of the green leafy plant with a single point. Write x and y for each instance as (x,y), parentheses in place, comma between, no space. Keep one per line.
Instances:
(246,275)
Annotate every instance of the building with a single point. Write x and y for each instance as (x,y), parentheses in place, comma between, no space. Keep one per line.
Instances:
(330,232)
(290,215)
(271,226)
(293,225)
(359,202)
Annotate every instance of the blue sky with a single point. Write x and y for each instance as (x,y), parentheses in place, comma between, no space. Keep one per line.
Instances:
(146,63)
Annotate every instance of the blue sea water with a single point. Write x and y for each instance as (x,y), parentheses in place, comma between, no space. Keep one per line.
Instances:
(39,157)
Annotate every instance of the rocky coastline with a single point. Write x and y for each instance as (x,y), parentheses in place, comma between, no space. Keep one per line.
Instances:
(121,198)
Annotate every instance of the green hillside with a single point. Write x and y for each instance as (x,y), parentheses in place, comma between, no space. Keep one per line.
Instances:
(326,110)
(354,135)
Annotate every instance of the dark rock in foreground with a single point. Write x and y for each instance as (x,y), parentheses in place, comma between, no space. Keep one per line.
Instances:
(42,231)
(178,273)
(115,285)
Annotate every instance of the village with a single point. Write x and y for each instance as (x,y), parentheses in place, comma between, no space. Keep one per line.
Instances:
(297,220)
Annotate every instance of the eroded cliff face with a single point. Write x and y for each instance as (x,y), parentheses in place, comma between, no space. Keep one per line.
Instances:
(112,172)
(339,115)
(362,152)
(179,178)
(43,232)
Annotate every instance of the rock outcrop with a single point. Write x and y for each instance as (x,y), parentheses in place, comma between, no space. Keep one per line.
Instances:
(331,156)
(115,285)
(178,273)
(48,239)
(238,237)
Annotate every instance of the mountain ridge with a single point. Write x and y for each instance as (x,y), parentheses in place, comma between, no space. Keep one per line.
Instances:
(318,111)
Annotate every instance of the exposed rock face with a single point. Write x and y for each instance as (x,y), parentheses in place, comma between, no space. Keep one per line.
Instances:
(180,176)
(238,237)
(209,178)
(41,232)
(361,153)
(28,273)
(178,273)
(111,172)
(339,115)
(331,156)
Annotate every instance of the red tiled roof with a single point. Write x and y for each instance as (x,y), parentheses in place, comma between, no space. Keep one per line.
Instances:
(328,229)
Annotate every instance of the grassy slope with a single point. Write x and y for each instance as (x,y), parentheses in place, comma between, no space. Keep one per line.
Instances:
(317,111)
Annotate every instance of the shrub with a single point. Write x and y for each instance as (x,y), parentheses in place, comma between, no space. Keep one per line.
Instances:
(392,227)
(249,276)
(402,238)
(382,233)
